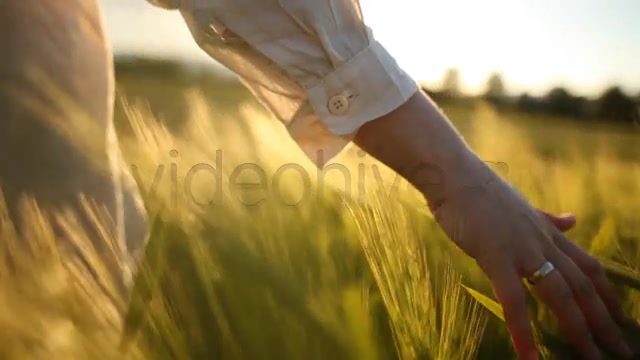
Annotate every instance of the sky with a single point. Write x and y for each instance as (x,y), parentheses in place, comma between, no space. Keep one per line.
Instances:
(584,45)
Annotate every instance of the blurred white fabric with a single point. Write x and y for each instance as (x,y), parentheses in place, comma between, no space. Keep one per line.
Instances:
(314,63)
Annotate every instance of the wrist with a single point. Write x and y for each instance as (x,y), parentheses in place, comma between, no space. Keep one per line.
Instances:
(419,142)
(449,176)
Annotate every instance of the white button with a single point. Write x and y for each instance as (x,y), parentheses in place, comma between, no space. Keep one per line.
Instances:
(338,105)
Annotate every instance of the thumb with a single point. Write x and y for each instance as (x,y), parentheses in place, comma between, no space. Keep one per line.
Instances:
(563,222)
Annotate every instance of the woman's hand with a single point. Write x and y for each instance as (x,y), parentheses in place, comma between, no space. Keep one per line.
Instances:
(510,241)
(494,224)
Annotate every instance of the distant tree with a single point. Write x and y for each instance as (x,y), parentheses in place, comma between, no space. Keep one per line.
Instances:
(451,82)
(528,103)
(637,116)
(559,101)
(495,86)
(495,89)
(615,105)
(436,95)
(148,66)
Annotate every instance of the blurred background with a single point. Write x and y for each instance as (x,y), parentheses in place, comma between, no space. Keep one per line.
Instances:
(568,58)
(547,92)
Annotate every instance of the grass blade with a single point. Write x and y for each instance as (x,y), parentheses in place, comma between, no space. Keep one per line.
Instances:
(487,302)
(621,274)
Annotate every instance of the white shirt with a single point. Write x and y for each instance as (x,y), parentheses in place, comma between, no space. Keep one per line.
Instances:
(313,63)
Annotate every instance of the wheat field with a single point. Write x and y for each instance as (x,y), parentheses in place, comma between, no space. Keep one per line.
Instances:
(255,254)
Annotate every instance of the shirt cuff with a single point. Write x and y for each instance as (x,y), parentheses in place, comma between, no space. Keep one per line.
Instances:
(365,88)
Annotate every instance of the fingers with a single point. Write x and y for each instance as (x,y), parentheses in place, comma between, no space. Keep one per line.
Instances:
(511,294)
(596,314)
(554,291)
(564,222)
(592,269)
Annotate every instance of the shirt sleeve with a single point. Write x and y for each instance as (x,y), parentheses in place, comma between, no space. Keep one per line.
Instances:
(313,63)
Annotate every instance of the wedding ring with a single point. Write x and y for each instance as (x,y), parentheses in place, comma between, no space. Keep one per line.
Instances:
(546,269)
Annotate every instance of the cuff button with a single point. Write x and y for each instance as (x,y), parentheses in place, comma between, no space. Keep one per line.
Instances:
(338,105)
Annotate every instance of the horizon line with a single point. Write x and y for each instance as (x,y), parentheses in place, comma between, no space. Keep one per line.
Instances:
(632,92)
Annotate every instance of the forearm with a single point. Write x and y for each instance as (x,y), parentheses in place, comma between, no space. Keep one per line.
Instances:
(342,83)
(418,142)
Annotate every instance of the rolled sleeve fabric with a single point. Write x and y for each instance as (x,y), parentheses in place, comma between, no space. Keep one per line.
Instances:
(313,63)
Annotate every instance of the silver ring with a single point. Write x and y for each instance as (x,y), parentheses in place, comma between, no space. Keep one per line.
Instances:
(546,269)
